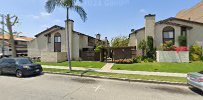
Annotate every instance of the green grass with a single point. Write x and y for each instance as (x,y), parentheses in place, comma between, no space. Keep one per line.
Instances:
(85,64)
(162,67)
(128,76)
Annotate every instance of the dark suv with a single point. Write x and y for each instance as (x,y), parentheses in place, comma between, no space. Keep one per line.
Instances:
(19,66)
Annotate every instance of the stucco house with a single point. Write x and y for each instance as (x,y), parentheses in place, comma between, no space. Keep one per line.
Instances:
(51,44)
(168,30)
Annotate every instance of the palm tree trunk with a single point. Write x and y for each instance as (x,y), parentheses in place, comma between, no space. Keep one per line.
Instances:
(68,42)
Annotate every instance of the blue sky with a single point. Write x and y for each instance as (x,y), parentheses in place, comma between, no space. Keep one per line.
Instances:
(108,17)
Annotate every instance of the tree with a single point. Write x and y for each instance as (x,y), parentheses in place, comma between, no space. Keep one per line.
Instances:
(10,24)
(143,46)
(120,41)
(69,5)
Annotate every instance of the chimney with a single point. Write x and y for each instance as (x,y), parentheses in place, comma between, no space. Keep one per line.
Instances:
(149,25)
(106,41)
(98,36)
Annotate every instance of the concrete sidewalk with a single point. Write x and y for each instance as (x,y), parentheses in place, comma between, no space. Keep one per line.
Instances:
(120,71)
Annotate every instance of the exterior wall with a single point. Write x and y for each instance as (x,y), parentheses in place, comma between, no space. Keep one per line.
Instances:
(83,41)
(172,56)
(53,56)
(33,50)
(132,40)
(158,39)
(195,35)
(75,47)
(149,25)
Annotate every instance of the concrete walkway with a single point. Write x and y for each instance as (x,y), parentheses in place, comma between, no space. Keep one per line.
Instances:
(107,69)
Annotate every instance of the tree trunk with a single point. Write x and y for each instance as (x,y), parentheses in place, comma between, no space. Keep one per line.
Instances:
(68,44)
(11,40)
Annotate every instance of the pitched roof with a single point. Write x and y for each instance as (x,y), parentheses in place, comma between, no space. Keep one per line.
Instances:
(18,38)
(166,21)
(56,27)
(53,27)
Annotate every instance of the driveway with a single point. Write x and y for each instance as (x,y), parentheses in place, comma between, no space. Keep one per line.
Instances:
(61,87)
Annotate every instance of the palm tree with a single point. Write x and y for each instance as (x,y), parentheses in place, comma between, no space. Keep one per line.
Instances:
(69,5)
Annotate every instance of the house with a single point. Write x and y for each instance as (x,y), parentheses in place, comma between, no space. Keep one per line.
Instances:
(20,43)
(168,30)
(51,44)
(194,13)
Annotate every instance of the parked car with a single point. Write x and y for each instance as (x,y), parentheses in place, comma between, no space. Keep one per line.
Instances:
(196,80)
(19,66)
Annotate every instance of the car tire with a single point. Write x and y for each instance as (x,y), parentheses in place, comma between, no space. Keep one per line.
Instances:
(19,74)
(1,72)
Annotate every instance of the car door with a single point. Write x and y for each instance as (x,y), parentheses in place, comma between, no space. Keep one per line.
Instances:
(4,66)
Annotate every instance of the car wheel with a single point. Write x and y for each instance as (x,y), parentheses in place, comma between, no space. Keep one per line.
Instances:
(19,73)
(1,72)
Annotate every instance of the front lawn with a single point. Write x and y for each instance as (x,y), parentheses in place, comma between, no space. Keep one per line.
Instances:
(85,64)
(128,76)
(162,67)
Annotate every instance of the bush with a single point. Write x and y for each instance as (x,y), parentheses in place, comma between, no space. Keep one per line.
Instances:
(195,53)
(137,59)
(168,46)
(123,61)
(151,51)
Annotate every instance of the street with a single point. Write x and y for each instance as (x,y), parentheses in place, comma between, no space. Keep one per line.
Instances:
(62,87)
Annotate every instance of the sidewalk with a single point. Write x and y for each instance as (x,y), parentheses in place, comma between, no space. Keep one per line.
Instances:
(120,71)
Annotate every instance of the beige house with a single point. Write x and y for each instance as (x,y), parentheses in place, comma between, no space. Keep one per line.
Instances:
(51,44)
(168,30)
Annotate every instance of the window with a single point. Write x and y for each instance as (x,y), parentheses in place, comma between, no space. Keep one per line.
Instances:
(49,38)
(57,38)
(168,34)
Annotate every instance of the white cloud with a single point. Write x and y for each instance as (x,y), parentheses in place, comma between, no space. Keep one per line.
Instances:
(45,26)
(35,17)
(57,21)
(42,14)
(143,11)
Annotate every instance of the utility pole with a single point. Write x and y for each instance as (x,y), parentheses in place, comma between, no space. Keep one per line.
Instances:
(2,35)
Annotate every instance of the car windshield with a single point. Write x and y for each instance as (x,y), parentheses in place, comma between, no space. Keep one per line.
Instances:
(201,72)
(23,61)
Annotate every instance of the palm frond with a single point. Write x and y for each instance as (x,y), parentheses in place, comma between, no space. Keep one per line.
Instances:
(51,5)
(81,12)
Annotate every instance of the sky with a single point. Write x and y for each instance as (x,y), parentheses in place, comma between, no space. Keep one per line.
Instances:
(110,18)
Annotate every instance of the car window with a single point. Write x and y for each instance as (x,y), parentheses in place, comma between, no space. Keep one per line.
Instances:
(23,61)
(8,61)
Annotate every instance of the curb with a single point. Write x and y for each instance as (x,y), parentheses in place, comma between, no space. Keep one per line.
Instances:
(121,79)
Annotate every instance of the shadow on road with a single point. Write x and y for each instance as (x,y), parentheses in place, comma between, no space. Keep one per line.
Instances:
(196,90)
(31,76)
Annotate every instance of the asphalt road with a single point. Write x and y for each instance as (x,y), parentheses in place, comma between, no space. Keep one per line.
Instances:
(61,87)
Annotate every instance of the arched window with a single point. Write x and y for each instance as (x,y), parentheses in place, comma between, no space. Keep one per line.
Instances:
(57,42)
(169,34)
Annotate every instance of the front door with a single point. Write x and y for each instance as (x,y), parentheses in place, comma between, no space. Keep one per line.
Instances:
(57,42)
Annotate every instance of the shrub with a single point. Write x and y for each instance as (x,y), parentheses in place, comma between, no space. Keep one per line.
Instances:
(151,51)
(182,40)
(123,61)
(195,53)
(168,46)
(137,59)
